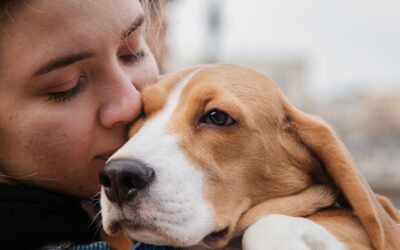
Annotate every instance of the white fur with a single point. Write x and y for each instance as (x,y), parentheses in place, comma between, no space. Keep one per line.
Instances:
(109,213)
(288,233)
(175,201)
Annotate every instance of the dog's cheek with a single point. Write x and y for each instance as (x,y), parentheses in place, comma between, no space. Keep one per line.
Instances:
(108,213)
(228,201)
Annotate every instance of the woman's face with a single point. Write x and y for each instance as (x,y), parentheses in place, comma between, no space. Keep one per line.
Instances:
(70,77)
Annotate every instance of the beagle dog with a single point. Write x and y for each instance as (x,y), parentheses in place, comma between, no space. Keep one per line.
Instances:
(220,159)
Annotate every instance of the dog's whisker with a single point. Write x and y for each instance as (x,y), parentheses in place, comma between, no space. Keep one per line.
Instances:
(94,219)
(95,198)
(98,228)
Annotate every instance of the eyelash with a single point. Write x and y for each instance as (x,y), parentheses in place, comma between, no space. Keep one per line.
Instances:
(68,94)
(133,57)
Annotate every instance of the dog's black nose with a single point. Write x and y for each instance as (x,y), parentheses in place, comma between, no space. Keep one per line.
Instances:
(121,179)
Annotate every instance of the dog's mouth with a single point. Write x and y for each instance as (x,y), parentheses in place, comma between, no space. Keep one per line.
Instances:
(216,237)
(213,240)
(150,233)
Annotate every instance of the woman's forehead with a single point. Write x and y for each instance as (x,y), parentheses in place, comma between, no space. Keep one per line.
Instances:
(49,14)
(38,30)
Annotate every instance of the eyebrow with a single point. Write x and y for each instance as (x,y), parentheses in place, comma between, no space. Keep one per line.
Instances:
(134,26)
(62,61)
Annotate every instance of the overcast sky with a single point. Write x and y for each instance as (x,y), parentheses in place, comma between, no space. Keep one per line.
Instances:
(346,44)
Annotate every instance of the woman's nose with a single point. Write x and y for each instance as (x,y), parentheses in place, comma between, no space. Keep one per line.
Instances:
(121,103)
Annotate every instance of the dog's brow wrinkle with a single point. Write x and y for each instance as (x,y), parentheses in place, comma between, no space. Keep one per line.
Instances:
(173,99)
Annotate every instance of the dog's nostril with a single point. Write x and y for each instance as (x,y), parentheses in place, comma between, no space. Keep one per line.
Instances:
(136,180)
(151,173)
(128,182)
(104,179)
(123,179)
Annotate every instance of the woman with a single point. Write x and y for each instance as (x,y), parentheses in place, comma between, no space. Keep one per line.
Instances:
(70,79)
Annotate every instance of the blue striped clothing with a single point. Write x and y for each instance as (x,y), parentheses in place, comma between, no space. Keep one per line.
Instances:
(142,246)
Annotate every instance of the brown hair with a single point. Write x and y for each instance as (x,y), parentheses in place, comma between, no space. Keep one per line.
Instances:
(4,6)
(154,9)
(156,28)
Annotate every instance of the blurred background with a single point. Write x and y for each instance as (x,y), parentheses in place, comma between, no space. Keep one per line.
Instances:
(339,59)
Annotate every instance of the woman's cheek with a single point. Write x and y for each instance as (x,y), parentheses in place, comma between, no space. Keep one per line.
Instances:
(64,161)
(147,73)
(56,143)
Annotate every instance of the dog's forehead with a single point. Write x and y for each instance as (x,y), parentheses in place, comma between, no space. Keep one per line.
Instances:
(240,81)
(155,97)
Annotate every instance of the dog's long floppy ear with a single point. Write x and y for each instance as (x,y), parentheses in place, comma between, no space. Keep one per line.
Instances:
(375,214)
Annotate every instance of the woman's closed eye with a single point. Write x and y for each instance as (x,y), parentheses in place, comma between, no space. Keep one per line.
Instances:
(67,95)
(131,57)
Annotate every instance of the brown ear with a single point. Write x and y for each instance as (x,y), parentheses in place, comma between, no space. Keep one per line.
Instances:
(316,135)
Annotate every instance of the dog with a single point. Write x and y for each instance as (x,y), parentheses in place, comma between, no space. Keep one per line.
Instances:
(220,156)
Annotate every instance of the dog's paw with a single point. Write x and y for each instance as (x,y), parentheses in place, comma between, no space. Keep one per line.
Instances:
(288,233)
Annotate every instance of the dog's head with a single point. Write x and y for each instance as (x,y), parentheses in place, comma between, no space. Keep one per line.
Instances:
(213,142)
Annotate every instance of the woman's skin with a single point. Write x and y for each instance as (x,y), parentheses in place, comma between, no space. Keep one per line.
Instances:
(70,79)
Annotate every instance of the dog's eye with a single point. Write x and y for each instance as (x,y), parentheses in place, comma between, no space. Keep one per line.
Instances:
(217,118)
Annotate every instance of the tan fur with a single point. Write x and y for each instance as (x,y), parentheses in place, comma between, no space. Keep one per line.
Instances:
(156,98)
(312,199)
(117,242)
(274,160)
